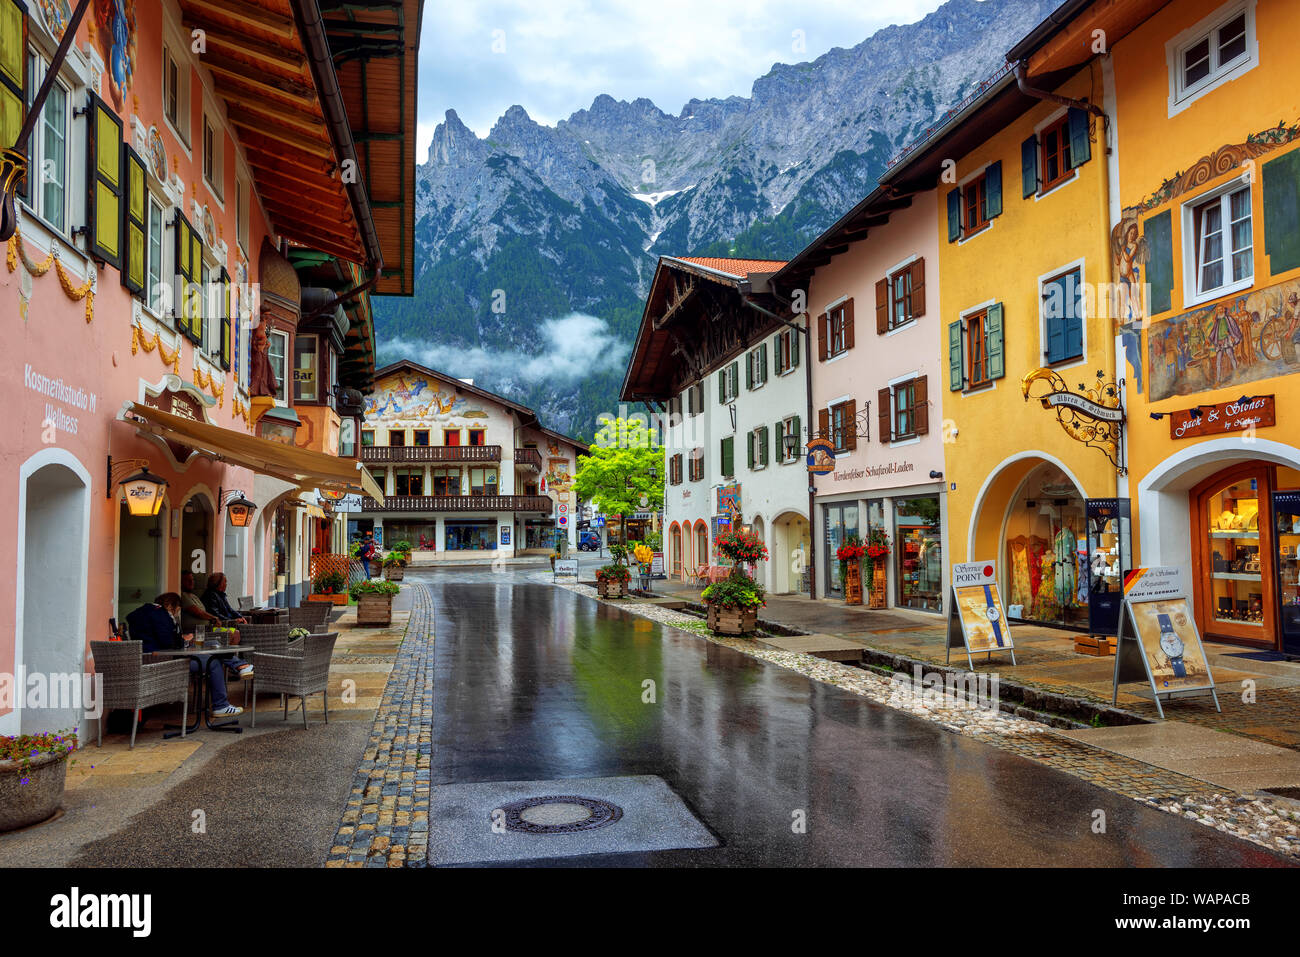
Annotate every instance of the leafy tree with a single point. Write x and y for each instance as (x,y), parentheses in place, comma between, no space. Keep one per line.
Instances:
(617,473)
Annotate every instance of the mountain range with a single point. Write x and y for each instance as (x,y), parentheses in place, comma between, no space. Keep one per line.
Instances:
(536,244)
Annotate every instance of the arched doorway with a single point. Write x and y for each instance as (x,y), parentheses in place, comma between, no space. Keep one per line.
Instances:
(51,639)
(701,544)
(198,521)
(675,550)
(1044,549)
(762,570)
(141,559)
(790,550)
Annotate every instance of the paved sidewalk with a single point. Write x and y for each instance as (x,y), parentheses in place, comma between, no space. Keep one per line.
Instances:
(1046,660)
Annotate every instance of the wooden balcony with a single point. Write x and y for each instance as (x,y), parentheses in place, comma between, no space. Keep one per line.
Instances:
(528,459)
(431,453)
(459,503)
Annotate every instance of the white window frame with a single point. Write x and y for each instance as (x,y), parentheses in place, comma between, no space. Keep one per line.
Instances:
(914,438)
(757,449)
(172,42)
(216,183)
(1081,265)
(970,177)
(730,382)
(756,368)
(830,424)
(787,426)
(785,337)
(1052,118)
(1191,270)
(73,173)
(243,211)
(151,305)
(287,366)
(1180,96)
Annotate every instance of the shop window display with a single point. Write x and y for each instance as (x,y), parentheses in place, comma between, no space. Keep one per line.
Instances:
(918,544)
(1236,577)
(462,536)
(841,525)
(1047,565)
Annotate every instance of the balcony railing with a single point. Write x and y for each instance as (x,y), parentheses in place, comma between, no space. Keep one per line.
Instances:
(528,458)
(459,503)
(431,453)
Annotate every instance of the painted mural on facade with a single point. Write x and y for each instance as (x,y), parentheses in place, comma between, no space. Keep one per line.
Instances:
(1243,339)
(414,397)
(115,38)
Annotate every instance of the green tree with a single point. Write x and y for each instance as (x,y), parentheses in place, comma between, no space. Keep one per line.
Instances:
(625,464)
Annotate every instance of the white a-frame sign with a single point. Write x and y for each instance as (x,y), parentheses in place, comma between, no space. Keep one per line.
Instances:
(977,621)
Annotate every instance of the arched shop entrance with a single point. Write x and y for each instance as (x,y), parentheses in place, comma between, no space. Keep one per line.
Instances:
(791,550)
(197,523)
(141,558)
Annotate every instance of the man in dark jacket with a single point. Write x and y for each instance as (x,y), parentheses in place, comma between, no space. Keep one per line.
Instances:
(157,627)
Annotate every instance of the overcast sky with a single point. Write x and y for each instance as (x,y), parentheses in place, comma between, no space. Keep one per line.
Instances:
(553,57)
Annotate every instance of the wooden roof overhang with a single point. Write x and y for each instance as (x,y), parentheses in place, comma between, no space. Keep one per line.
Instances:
(694,318)
(314,268)
(1066,39)
(375,48)
(261,67)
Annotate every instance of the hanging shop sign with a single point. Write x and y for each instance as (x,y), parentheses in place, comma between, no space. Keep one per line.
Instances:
(821,456)
(977,620)
(1158,639)
(1257,412)
(729,500)
(1092,415)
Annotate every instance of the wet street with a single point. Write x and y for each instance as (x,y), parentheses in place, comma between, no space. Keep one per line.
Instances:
(534,683)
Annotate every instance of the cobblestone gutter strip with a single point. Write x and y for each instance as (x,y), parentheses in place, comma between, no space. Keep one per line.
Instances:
(386,821)
(1271,823)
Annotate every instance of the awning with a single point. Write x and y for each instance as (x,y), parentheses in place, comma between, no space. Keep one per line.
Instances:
(303,467)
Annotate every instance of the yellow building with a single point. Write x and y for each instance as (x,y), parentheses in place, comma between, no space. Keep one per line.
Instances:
(1022,179)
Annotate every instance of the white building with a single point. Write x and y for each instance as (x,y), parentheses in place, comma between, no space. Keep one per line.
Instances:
(731,379)
(468,474)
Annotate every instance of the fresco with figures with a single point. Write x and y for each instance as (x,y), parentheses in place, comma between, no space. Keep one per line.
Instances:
(411,397)
(1230,343)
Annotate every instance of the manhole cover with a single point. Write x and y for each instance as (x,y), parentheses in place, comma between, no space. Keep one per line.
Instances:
(558,814)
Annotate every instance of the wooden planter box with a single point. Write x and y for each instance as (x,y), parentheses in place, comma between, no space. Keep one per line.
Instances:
(332,599)
(611,589)
(1097,647)
(853,584)
(879,586)
(375,610)
(395,573)
(22,805)
(732,621)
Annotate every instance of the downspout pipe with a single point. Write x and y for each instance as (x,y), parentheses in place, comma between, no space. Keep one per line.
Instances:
(745,287)
(1021,71)
(311,27)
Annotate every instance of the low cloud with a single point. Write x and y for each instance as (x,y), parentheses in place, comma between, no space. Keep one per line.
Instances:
(572,348)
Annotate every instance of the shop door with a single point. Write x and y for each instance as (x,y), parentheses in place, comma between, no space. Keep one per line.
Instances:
(1286,520)
(1046,555)
(1236,581)
(841,524)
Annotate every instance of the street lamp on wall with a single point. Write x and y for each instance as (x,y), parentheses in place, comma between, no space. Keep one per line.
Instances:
(790,442)
(144,493)
(238,508)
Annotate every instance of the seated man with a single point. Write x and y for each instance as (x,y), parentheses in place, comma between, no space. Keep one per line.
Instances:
(194,610)
(158,626)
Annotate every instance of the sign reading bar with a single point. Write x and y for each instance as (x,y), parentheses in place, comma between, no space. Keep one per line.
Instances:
(1259,412)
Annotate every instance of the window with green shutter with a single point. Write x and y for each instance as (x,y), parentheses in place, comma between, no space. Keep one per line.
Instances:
(993,191)
(13,70)
(764,445)
(135,235)
(1281,212)
(751,441)
(226,325)
(104,198)
(1080,137)
(954,215)
(1029,167)
(181,303)
(199,276)
(1063,317)
(728,456)
(1159,235)
(956,368)
(993,342)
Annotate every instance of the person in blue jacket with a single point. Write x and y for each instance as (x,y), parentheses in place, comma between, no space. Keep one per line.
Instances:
(158,627)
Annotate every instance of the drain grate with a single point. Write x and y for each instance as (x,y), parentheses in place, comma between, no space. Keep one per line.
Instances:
(558,814)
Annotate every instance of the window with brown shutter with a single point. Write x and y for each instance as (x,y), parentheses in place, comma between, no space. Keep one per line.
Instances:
(882,306)
(918,288)
(921,406)
(851,424)
(884,418)
(823,423)
(821,337)
(848,324)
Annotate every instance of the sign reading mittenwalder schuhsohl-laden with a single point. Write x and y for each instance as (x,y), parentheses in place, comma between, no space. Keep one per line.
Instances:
(977,608)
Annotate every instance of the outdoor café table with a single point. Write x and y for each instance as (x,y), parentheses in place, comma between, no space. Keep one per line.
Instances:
(225,651)
(266,616)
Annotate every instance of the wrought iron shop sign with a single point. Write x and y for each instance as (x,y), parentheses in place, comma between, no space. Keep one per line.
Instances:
(1092,415)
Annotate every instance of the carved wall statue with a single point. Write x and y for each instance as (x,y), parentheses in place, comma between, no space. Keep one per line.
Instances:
(261,374)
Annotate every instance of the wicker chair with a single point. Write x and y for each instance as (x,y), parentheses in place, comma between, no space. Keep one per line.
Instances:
(130,683)
(270,640)
(315,615)
(296,676)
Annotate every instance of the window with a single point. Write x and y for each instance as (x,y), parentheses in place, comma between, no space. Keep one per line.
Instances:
(306,371)
(213,150)
(446,481)
(368,437)
(241,212)
(785,350)
(176,95)
(379,478)
(483,481)
(277,347)
(759,449)
(347,438)
(900,297)
(728,383)
(701,544)
(47,176)
(1221,234)
(756,367)
(397,438)
(975,349)
(463,536)
(788,426)
(1214,51)
(728,456)
(837,330)
(1056,154)
(451,437)
(675,469)
(477,437)
(1063,309)
(843,425)
(695,399)
(156,293)
(408,481)
(904,399)
(697,465)
(421,436)
(975,204)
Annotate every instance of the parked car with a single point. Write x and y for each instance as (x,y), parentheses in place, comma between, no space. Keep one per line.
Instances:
(588,541)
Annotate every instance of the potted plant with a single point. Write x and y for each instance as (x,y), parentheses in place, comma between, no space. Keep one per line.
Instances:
(554,555)
(374,600)
(734,601)
(850,556)
(643,554)
(877,549)
(33,770)
(394,567)
(611,580)
(330,587)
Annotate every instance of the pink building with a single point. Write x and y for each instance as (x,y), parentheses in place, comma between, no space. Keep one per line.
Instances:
(877,389)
